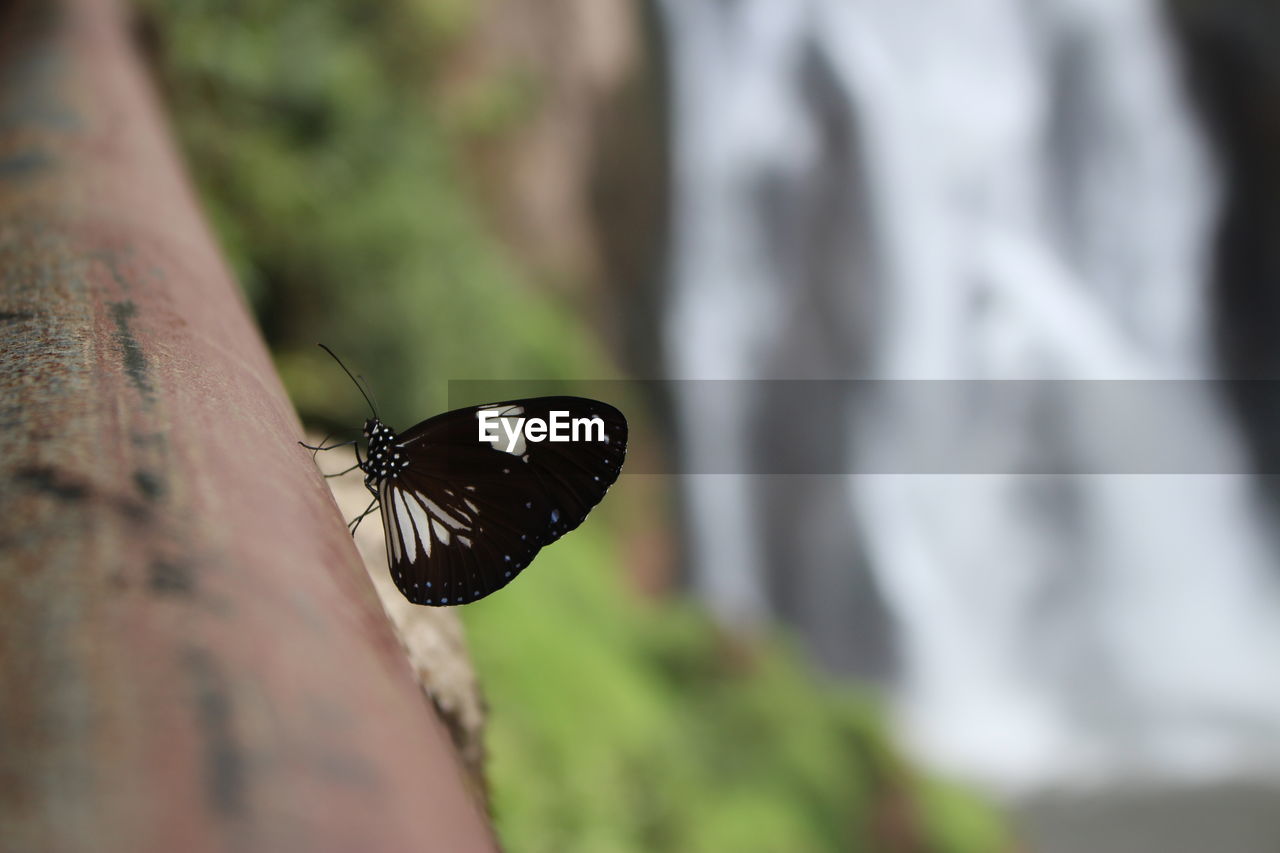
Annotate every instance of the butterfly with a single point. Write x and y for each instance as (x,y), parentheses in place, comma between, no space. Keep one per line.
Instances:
(469,497)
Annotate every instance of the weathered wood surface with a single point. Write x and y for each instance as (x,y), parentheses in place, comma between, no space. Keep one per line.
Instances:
(191,657)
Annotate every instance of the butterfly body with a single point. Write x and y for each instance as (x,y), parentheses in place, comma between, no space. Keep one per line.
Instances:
(381,459)
(464,515)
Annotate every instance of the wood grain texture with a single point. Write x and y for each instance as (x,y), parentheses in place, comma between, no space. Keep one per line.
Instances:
(191,657)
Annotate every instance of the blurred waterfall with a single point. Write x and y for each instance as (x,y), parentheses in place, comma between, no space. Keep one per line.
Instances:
(978,190)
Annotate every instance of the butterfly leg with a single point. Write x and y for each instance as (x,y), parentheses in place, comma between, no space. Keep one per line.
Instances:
(354,525)
(327,436)
(360,463)
(316,448)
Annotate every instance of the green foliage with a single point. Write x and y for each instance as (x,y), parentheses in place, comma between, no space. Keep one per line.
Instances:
(618,725)
(338,196)
(958,821)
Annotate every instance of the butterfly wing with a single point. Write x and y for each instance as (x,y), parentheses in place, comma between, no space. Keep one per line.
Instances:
(466,516)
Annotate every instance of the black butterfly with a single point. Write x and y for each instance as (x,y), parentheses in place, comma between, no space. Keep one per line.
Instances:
(463,516)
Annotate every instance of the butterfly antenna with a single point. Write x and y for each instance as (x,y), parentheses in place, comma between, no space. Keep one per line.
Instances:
(360,387)
(369,387)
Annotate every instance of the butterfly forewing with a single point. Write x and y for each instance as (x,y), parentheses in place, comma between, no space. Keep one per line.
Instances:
(465,516)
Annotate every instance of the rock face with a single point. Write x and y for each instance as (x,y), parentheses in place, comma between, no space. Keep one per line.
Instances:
(531,86)
(1231,50)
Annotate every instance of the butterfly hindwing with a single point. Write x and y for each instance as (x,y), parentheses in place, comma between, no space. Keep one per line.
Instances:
(465,516)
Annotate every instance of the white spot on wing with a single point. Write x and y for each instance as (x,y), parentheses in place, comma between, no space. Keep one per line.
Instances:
(440,531)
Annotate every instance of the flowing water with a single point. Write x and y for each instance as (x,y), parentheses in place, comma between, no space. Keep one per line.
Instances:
(974,190)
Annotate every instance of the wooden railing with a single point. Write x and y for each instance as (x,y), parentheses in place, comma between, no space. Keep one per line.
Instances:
(191,655)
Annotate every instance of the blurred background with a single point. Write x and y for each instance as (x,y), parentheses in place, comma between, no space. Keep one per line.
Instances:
(894,190)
